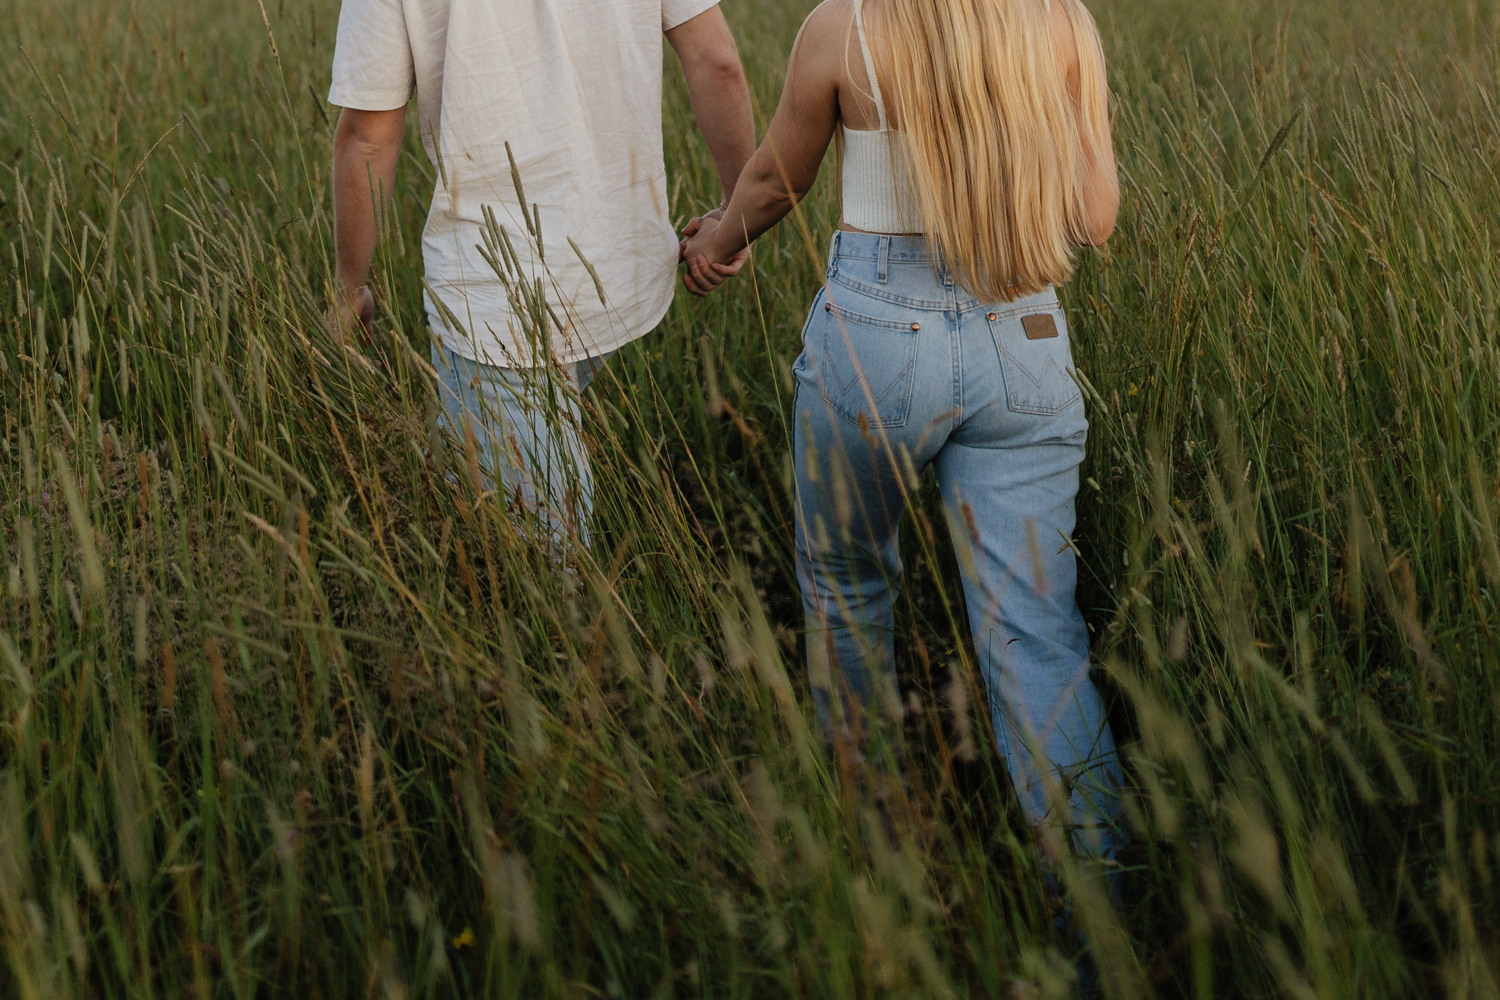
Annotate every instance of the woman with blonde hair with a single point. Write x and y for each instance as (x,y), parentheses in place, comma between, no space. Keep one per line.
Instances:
(976,159)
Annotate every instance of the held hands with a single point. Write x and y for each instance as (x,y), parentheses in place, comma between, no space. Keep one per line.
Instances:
(707,267)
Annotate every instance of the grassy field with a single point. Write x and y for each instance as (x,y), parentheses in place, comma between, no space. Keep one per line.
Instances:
(285,711)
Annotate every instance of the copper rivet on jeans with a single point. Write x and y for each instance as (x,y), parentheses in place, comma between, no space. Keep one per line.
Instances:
(993,317)
(828,307)
(916,326)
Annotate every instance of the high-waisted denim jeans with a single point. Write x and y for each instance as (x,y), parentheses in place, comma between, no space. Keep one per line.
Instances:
(902,369)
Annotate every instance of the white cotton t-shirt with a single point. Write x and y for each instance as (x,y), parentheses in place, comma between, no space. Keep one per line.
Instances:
(575,88)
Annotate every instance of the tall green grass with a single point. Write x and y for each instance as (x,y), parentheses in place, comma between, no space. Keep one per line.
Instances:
(286,710)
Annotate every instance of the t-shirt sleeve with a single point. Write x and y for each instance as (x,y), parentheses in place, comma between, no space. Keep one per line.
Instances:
(372,61)
(675,12)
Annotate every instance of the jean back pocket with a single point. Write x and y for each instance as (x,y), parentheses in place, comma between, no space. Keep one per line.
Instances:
(1034,360)
(865,365)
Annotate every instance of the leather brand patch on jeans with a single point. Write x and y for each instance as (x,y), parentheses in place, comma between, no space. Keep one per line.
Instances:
(1039,327)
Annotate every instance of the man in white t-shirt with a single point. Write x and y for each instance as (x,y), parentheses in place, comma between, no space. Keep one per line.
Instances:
(564,95)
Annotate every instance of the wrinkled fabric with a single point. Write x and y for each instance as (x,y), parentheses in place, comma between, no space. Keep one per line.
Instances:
(575,88)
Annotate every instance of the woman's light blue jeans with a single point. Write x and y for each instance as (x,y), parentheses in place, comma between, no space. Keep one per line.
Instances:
(902,369)
(526,424)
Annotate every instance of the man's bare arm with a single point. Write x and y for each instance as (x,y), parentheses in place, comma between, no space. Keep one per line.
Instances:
(785,167)
(720,96)
(366,146)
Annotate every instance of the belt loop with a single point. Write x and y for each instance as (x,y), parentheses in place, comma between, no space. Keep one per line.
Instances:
(883,260)
(833,253)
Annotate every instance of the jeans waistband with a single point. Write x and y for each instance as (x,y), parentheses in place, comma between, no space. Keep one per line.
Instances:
(867,246)
(885,251)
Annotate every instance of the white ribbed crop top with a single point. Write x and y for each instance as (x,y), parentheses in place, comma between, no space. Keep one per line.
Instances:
(877,191)
(878,196)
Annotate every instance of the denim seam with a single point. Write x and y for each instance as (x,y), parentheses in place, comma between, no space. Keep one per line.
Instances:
(812,313)
(932,305)
(900,326)
(956,348)
(1027,310)
(995,698)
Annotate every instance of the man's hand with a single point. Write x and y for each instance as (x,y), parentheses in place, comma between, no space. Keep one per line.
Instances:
(721,105)
(708,268)
(351,311)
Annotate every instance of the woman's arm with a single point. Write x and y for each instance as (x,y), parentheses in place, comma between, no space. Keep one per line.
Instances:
(786,165)
(1077,43)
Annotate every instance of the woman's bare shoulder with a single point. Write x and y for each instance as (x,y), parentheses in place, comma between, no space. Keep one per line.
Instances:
(818,52)
(828,25)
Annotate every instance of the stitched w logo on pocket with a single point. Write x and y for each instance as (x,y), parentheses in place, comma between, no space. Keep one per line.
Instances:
(1034,359)
(865,365)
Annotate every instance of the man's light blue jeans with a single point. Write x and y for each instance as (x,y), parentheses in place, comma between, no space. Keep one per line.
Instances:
(526,424)
(902,369)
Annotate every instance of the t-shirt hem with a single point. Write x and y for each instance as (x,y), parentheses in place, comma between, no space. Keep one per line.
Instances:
(465,348)
(696,8)
(369,100)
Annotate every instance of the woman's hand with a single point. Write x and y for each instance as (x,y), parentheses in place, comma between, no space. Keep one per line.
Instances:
(707,267)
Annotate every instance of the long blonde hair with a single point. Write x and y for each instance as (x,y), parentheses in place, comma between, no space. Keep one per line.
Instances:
(995,144)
